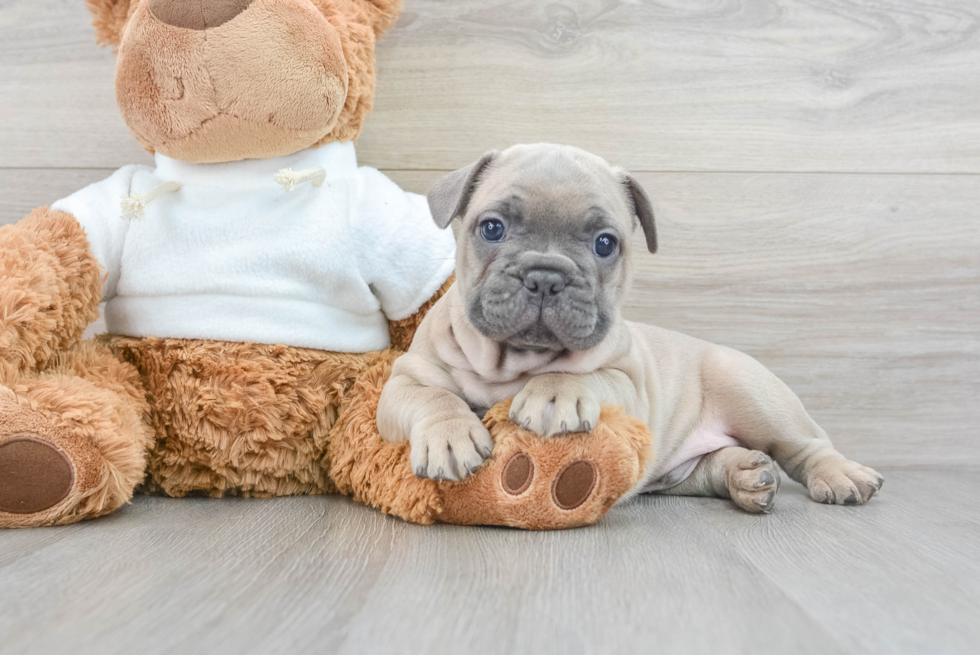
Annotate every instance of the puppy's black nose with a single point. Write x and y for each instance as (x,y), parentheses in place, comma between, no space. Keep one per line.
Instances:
(544,281)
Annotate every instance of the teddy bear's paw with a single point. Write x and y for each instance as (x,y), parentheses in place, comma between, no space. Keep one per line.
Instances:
(53,473)
(45,478)
(551,483)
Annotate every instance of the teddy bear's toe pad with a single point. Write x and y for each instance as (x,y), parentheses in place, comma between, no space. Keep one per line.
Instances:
(34,475)
(574,484)
(517,474)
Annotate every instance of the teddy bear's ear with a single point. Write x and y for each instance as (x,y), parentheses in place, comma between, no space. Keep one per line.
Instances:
(383,14)
(109,19)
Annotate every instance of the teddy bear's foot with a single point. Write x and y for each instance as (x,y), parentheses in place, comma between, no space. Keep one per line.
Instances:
(45,472)
(72,441)
(545,484)
(529,481)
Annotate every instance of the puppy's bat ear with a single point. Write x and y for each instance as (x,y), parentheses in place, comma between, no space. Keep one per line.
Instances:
(642,209)
(449,196)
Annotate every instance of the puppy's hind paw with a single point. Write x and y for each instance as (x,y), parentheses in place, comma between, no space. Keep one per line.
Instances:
(753,481)
(843,482)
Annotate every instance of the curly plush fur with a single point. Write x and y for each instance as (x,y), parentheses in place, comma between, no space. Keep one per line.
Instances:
(51,288)
(373,471)
(239,418)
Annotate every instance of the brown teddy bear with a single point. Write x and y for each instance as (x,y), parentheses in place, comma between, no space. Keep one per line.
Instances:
(264,284)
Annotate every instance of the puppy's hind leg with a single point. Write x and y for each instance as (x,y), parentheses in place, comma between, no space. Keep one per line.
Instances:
(762,412)
(748,477)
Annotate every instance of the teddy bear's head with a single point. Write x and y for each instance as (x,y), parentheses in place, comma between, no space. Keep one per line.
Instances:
(224,80)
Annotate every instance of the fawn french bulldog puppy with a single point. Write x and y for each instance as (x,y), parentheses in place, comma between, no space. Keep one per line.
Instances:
(543,262)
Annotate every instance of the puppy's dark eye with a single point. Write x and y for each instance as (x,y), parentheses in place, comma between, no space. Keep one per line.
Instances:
(492,229)
(605,245)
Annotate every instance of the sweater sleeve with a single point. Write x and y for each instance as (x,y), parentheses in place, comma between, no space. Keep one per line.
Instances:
(98,209)
(405,258)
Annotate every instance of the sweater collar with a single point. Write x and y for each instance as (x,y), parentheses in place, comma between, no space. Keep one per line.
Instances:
(337,159)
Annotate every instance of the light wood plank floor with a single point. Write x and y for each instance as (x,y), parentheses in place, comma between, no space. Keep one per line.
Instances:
(661,574)
(815,167)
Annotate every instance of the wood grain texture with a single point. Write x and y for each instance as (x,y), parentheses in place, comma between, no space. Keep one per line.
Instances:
(760,85)
(861,291)
(661,574)
(22,190)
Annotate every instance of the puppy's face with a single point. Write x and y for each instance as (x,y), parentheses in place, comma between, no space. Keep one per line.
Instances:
(543,253)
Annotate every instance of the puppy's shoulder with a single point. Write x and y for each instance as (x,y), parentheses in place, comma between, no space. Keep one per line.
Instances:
(435,325)
(654,334)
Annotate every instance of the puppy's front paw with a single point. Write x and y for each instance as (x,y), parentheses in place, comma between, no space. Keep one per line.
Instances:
(449,448)
(555,403)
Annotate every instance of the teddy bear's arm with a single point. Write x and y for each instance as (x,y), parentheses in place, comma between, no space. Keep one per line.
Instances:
(50,287)
(407,260)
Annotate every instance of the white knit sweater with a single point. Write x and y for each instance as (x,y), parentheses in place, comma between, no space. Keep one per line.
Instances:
(232,255)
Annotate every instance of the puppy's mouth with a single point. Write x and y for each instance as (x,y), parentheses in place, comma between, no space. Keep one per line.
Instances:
(512,315)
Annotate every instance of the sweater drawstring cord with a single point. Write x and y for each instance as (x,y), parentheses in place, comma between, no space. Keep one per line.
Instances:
(134,205)
(289,178)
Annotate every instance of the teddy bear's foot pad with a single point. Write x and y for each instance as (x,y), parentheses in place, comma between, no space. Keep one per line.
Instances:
(574,484)
(49,474)
(34,475)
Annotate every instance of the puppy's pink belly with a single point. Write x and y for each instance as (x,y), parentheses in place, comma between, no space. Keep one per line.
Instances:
(707,438)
